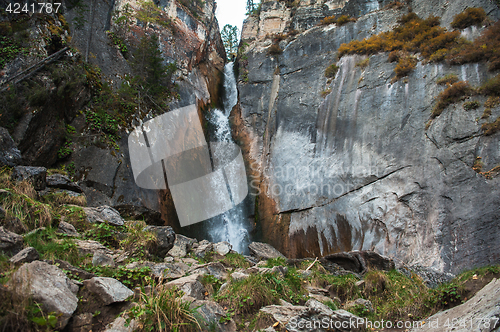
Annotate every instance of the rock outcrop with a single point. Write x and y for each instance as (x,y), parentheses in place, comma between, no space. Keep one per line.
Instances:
(347,163)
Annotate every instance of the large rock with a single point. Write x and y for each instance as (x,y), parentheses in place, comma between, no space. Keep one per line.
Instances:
(27,255)
(103,214)
(73,272)
(223,248)
(130,212)
(203,248)
(480,313)
(169,270)
(49,286)
(182,245)
(9,153)
(359,261)
(86,247)
(190,285)
(103,259)
(35,175)
(211,313)
(357,169)
(68,229)
(165,238)
(62,182)
(109,290)
(10,242)
(263,251)
(120,325)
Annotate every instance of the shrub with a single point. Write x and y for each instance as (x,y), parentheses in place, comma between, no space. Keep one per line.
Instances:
(275,50)
(328,20)
(139,242)
(471,105)
(447,80)
(363,63)
(163,310)
(326,92)
(450,95)
(394,56)
(484,48)
(478,165)
(491,128)
(491,87)
(344,19)
(470,16)
(405,66)
(394,5)
(331,71)
(439,55)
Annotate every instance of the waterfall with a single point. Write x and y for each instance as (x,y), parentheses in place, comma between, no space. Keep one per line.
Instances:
(232,226)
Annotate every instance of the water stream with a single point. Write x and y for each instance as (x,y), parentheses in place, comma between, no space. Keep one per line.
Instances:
(232,226)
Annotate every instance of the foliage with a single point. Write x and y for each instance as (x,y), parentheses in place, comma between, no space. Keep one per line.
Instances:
(63,198)
(325,93)
(138,242)
(274,49)
(13,40)
(248,295)
(211,283)
(119,43)
(448,79)
(491,128)
(405,65)
(450,95)
(491,87)
(328,20)
(484,48)
(106,234)
(394,5)
(331,71)
(471,105)
(51,245)
(470,16)
(129,277)
(229,35)
(149,13)
(344,19)
(363,63)
(279,261)
(163,310)
(235,260)
(478,165)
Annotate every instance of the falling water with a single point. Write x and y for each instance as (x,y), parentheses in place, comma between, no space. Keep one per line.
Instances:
(232,226)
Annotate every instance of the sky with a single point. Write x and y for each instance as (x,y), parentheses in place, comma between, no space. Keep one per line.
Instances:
(231,12)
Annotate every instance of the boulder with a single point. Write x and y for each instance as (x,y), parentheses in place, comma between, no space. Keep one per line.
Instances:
(204,247)
(359,261)
(169,270)
(82,323)
(35,175)
(86,247)
(482,310)
(165,238)
(49,286)
(62,182)
(237,276)
(263,251)
(223,248)
(9,153)
(182,245)
(190,285)
(103,214)
(211,312)
(359,302)
(120,325)
(102,259)
(109,290)
(10,242)
(215,269)
(13,224)
(27,255)
(68,229)
(132,212)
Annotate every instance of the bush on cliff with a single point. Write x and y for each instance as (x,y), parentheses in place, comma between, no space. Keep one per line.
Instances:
(470,16)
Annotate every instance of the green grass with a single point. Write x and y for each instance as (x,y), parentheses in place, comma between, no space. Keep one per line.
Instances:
(235,260)
(51,245)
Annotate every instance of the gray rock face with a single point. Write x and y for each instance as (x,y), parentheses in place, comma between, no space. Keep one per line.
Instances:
(68,229)
(182,245)
(120,325)
(35,175)
(63,182)
(49,286)
(203,248)
(10,242)
(27,255)
(211,312)
(223,248)
(103,214)
(483,308)
(109,290)
(263,251)
(357,170)
(9,153)
(102,259)
(165,237)
(190,285)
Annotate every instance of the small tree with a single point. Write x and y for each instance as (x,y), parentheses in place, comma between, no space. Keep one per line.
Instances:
(250,6)
(229,37)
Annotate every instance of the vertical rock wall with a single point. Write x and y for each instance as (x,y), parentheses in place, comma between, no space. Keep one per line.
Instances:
(348,164)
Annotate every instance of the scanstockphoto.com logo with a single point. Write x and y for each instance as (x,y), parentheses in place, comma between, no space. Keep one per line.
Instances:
(171,150)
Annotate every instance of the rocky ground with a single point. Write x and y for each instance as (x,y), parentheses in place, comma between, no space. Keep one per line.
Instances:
(68,267)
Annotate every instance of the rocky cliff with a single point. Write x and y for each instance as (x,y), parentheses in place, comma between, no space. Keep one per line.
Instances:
(348,163)
(81,119)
